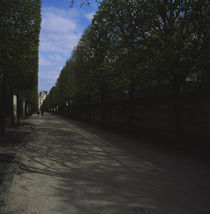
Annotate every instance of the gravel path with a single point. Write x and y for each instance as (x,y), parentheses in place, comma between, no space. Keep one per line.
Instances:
(66,169)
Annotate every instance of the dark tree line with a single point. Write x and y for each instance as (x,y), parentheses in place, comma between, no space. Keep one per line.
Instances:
(19,41)
(132,45)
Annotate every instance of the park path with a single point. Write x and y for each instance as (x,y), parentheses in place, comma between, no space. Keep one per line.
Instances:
(66,169)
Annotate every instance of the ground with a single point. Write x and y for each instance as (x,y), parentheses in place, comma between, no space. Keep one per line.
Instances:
(66,167)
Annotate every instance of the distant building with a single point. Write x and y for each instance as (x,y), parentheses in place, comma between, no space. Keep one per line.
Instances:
(42,97)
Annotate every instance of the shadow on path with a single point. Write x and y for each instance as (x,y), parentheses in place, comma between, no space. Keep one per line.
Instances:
(66,169)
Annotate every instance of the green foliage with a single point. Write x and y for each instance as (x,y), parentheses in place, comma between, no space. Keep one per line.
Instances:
(134,44)
(19,34)
(177,37)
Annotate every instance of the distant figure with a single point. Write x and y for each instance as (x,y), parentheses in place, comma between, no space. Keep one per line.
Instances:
(42,112)
(38,112)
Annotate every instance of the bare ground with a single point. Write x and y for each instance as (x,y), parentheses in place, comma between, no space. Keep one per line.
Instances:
(68,167)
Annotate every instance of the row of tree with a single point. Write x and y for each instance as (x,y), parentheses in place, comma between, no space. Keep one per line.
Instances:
(136,44)
(19,35)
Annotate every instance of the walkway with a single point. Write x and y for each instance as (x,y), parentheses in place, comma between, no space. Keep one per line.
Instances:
(66,169)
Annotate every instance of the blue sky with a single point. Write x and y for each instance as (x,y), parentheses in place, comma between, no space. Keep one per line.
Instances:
(61,29)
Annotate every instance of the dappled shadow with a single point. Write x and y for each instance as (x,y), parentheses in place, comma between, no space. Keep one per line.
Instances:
(5,161)
(12,138)
(195,147)
(9,145)
(93,176)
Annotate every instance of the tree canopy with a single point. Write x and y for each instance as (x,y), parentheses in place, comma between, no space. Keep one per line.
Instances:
(134,44)
(19,34)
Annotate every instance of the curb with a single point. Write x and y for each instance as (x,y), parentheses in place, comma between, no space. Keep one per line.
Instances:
(8,179)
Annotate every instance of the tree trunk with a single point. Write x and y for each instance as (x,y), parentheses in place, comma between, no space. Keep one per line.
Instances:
(178,113)
(23,110)
(26,109)
(131,106)
(103,109)
(68,108)
(89,109)
(2,106)
(12,115)
(12,118)
(19,108)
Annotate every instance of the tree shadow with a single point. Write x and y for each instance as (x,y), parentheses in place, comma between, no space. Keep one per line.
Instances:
(97,177)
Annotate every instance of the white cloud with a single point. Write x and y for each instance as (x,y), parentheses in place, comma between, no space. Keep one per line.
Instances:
(44,62)
(60,33)
(89,16)
(56,58)
(50,60)
(71,13)
(49,75)
(55,23)
(60,43)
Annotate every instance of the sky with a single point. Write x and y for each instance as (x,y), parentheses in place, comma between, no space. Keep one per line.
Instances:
(61,29)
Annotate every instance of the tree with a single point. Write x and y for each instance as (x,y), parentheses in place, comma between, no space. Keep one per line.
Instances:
(175,42)
(122,27)
(19,30)
(138,44)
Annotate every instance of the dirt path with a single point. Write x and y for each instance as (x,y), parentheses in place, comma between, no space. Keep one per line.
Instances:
(66,169)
